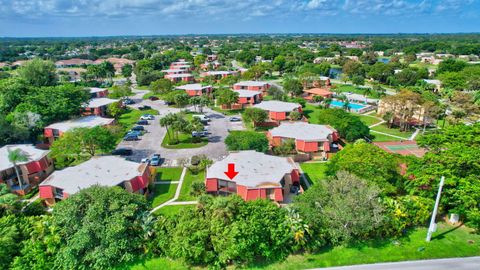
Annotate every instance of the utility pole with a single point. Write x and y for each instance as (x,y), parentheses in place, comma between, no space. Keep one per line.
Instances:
(432,226)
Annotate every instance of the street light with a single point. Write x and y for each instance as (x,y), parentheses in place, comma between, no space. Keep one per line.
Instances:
(433,225)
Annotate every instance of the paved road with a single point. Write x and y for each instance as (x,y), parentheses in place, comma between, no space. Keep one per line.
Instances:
(472,263)
(150,142)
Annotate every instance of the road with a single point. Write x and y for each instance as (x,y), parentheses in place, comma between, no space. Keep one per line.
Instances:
(471,263)
(150,142)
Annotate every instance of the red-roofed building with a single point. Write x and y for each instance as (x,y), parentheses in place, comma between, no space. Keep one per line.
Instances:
(252,86)
(184,77)
(196,89)
(321,92)
(279,110)
(260,176)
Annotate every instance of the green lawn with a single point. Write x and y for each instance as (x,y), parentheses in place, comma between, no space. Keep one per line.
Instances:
(393,131)
(187,184)
(311,112)
(447,242)
(172,210)
(169,174)
(162,193)
(384,138)
(185,141)
(369,120)
(314,171)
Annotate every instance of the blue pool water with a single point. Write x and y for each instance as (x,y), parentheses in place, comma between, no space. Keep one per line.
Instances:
(352,106)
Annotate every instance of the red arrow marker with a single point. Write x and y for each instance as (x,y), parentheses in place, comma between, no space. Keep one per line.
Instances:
(231,173)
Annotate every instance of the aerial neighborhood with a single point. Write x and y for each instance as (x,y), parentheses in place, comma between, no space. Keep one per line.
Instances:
(249,151)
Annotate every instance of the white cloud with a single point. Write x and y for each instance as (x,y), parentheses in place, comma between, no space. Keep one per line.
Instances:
(226,9)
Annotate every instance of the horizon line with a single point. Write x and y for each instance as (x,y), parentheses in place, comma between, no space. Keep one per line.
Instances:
(244,34)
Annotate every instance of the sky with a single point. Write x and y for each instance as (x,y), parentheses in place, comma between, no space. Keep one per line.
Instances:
(71,18)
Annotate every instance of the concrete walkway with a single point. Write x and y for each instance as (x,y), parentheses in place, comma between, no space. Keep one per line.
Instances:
(177,192)
(166,182)
(414,135)
(469,263)
(183,203)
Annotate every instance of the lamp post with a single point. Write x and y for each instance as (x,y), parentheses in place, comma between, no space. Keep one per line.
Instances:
(432,226)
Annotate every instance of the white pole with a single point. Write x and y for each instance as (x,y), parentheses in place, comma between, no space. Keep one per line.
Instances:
(431,228)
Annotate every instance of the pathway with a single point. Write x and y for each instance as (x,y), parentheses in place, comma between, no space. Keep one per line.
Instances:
(177,192)
(470,263)
(386,134)
(414,134)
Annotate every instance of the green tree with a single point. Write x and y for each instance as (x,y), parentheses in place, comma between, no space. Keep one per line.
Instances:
(17,156)
(341,210)
(226,97)
(38,73)
(353,68)
(255,115)
(99,237)
(451,65)
(127,70)
(82,143)
(293,87)
(247,140)
(368,162)
(115,109)
(348,126)
(120,91)
(161,86)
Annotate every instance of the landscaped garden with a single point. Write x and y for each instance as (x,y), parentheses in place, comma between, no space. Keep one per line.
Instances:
(169,174)
(162,193)
(184,141)
(189,179)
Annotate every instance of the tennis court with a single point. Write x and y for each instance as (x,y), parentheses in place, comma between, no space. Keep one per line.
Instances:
(403,148)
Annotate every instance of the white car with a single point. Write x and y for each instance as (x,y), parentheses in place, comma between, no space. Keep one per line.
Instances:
(147,117)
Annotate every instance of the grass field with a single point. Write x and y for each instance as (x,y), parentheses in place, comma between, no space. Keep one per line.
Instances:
(162,193)
(384,138)
(169,174)
(187,184)
(314,171)
(369,120)
(172,210)
(185,142)
(447,242)
(393,131)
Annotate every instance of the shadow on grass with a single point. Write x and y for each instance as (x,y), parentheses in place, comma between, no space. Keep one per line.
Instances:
(442,235)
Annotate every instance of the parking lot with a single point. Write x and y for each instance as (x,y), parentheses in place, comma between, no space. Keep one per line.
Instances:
(150,142)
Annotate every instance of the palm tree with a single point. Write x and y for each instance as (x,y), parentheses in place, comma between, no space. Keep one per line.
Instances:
(16,156)
(166,122)
(327,102)
(346,105)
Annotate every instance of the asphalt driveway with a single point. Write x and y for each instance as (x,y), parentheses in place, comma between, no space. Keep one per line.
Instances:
(151,141)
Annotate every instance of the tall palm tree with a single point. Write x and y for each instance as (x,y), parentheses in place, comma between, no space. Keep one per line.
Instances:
(16,156)
(346,105)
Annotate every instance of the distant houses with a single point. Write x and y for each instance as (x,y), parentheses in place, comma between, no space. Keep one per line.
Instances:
(196,89)
(96,92)
(32,172)
(310,94)
(74,62)
(98,106)
(246,98)
(279,110)
(315,140)
(260,176)
(252,86)
(218,75)
(180,77)
(54,131)
(107,171)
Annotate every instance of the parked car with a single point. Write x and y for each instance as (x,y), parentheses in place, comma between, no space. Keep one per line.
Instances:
(140,128)
(131,137)
(144,107)
(142,122)
(199,134)
(235,119)
(128,101)
(147,117)
(135,132)
(145,160)
(155,160)
(152,98)
(202,117)
(122,152)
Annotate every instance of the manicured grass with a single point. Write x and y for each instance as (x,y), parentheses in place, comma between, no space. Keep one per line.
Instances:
(311,112)
(369,120)
(314,171)
(187,185)
(185,141)
(172,210)
(227,112)
(127,120)
(169,174)
(157,263)
(384,138)
(447,242)
(162,193)
(394,131)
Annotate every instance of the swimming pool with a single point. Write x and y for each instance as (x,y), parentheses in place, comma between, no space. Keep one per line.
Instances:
(352,106)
